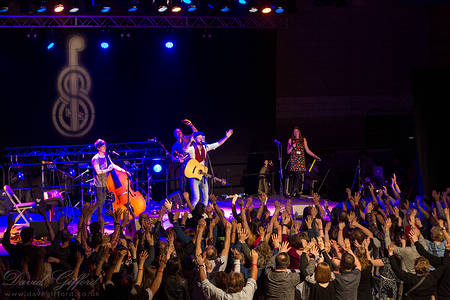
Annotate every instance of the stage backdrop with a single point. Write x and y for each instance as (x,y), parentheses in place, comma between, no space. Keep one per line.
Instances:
(137,88)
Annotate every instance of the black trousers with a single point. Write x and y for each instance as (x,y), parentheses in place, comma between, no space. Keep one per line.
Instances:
(101,197)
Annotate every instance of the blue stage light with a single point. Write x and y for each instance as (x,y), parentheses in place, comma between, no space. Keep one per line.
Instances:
(50,45)
(192,8)
(169,45)
(41,9)
(20,175)
(4,9)
(279,10)
(72,172)
(105,9)
(242,1)
(104,45)
(225,9)
(187,1)
(157,168)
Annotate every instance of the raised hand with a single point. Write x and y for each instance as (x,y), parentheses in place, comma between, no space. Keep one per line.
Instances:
(229,133)
(308,221)
(242,235)
(262,232)
(168,205)
(347,245)
(236,254)
(316,198)
(142,258)
(234,199)
(414,234)
(263,198)
(275,240)
(341,225)
(391,249)
(285,247)
(387,224)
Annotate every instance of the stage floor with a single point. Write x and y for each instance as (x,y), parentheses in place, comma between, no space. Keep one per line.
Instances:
(298,204)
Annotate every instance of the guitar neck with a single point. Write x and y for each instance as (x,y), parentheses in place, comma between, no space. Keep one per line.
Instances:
(221,181)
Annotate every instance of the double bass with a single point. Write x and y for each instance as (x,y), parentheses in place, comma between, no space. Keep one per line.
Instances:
(118,183)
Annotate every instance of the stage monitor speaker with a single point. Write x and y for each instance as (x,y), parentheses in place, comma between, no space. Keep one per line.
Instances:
(40,229)
(176,198)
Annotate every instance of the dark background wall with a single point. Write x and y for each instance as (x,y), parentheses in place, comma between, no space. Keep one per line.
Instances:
(345,75)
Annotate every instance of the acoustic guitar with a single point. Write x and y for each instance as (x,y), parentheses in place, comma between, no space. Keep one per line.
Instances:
(194,169)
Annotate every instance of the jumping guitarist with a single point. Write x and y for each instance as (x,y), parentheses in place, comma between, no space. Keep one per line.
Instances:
(197,150)
(177,156)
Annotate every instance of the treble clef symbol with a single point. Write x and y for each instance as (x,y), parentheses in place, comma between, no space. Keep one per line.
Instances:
(73,113)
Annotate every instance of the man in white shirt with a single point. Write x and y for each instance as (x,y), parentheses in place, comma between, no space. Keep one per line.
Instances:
(197,150)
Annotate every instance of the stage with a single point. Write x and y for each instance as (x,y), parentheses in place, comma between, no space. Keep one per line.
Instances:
(298,204)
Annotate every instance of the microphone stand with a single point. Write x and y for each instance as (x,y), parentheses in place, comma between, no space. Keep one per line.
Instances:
(280,159)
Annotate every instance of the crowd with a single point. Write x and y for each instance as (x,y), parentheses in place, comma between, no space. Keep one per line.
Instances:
(379,247)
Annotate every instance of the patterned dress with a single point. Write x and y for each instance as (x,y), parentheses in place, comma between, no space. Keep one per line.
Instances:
(297,156)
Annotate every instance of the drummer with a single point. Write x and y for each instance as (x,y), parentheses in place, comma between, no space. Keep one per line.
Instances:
(103,165)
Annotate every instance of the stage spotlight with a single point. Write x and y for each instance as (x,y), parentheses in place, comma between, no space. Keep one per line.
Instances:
(169,45)
(59,7)
(266,10)
(176,6)
(192,8)
(157,168)
(279,10)
(225,9)
(252,9)
(4,6)
(243,2)
(162,5)
(105,9)
(104,45)
(50,45)
(41,9)
(133,6)
(20,175)
(187,1)
(74,6)
(72,172)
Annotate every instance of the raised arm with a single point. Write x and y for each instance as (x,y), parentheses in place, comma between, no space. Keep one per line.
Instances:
(226,137)
(188,201)
(217,209)
(226,246)
(159,275)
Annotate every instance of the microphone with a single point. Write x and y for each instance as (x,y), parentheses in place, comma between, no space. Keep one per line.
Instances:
(276,142)
(115,153)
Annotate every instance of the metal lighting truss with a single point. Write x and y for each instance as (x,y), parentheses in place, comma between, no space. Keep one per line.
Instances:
(229,22)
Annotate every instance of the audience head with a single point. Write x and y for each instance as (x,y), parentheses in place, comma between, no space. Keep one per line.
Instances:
(323,273)
(437,235)
(27,235)
(282,261)
(236,283)
(347,262)
(421,265)
(211,253)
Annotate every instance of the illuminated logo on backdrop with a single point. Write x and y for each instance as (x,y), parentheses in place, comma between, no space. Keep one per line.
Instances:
(73,113)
